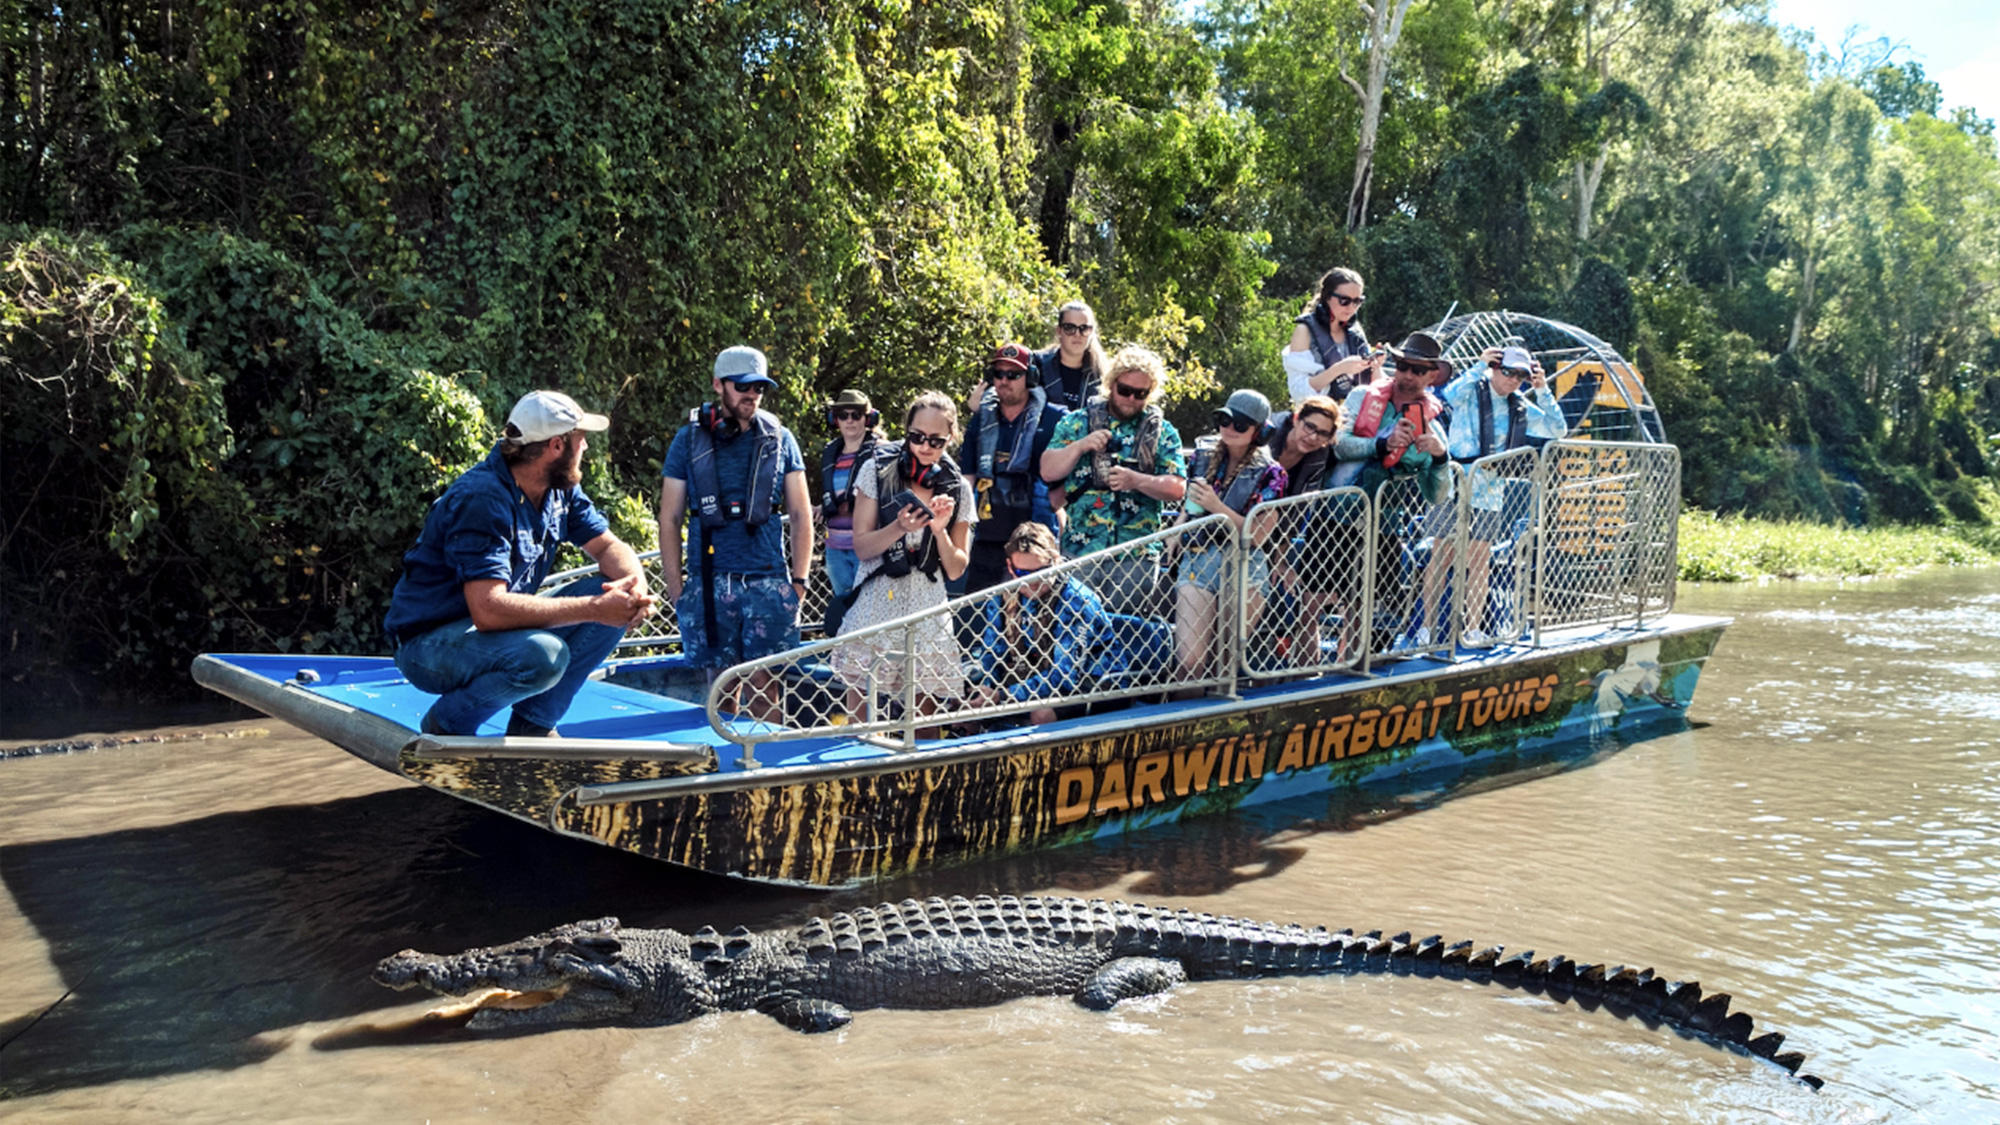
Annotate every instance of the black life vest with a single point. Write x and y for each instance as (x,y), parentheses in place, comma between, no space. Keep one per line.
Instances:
(1145,452)
(705,487)
(834,503)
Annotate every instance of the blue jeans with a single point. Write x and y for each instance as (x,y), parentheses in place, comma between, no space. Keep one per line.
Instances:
(535,671)
(841,567)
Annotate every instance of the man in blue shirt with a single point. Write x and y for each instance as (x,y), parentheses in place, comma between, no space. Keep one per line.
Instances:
(464,618)
(1501,405)
(727,472)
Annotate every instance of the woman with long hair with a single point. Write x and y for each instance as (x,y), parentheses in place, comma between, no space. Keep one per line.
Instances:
(1319,553)
(1229,475)
(1328,354)
(912,518)
(1074,362)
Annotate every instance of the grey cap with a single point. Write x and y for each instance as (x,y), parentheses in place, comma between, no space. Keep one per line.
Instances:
(743,364)
(1249,404)
(541,415)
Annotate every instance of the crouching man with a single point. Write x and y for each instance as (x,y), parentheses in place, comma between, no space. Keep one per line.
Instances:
(464,619)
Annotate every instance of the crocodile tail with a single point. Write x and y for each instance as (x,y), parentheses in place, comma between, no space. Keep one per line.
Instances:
(1217,946)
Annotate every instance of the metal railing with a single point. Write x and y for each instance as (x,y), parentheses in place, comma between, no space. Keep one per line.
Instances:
(1579,533)
(1085,631)
(1608,534)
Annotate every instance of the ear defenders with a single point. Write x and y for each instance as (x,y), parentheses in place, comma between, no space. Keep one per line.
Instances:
(723,426)
(919,474)
(873,419)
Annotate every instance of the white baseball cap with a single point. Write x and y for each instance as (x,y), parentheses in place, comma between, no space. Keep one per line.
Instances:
(541,415)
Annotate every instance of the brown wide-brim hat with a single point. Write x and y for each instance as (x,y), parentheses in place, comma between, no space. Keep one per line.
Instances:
(851,397)
(1420,346)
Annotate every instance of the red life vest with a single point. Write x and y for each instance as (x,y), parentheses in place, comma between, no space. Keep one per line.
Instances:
(1375,404)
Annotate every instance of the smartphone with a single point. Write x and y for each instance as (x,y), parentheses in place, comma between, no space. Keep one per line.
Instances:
(905,499)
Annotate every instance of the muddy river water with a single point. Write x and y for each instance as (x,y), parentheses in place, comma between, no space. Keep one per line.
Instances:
(1821,843)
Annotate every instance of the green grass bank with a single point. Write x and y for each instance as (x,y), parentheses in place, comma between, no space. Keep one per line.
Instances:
(1733,549)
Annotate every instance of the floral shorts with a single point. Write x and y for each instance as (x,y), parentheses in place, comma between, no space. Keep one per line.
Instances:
(753,617)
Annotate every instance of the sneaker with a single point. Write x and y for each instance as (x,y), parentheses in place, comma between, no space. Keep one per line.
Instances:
(518,727)
(1474,638)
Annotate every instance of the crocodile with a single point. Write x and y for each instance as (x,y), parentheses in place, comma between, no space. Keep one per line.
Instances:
(965,952)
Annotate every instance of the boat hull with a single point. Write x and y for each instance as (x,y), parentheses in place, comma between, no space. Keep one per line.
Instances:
(839,823)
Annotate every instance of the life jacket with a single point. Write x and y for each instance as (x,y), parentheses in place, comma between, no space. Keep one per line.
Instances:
(889,480)
(1015,485)
(705,487)
(1241,489)
(1047,373)
(834,503)
(1145,452)
(1325,348)
(1517,419)
(1375,404)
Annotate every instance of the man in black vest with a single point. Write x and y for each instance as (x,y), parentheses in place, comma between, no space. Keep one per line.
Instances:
(728,470)
(1002,456)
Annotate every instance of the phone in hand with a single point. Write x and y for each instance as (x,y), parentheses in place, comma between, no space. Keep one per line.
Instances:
(905,500)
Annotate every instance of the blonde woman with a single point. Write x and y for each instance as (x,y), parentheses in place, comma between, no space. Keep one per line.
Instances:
(912,518)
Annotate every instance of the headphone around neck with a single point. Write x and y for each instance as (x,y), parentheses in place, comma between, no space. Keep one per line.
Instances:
(722,426)
(917,473)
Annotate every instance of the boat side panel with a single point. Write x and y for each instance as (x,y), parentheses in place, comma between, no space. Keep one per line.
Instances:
(848,830)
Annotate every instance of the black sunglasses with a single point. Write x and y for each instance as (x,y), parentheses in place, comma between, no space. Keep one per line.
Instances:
(1004,375)
(918,437)
(1020,573)
(1510,372)
(853,415)
(1069,329)
(1132,392)
(1348,302)
(751,388)
(1235,421)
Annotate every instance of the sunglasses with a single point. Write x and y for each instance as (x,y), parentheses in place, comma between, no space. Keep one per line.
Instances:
(1510,372)
(1002,375)
(743,388)
(1347,302)
(1132,392)
(1235,422)
(1069,329)
(1416,366)
(854,415)
(1019,572)
(918,437)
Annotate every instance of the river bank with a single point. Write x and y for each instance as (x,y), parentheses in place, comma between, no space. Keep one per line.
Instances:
(1734,549)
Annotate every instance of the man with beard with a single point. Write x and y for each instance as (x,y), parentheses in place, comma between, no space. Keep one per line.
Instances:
(1002,455)
(464,619)
(727,472)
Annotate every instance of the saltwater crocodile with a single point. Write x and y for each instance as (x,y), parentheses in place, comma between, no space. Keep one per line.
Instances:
(960,952)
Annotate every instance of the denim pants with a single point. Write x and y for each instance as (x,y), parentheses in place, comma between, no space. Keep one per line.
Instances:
(476,675)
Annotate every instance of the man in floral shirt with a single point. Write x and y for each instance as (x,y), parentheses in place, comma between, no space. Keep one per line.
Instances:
(1120,463)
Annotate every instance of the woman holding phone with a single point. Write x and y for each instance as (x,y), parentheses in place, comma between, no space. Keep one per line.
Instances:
(1228,475)
(1328,354)
(913,512)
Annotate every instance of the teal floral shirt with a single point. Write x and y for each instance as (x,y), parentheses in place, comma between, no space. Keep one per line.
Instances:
(1099,519)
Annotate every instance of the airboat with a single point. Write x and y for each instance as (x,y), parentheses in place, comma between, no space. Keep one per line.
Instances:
(1339,665)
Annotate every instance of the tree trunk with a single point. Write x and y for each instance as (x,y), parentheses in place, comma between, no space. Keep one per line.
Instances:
(1806,275)
(1384,29)
(1054,219)
(1586,190)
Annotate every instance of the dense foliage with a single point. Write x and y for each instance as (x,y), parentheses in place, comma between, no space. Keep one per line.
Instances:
(273,269)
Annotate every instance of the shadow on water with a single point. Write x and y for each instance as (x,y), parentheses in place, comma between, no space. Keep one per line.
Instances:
(198,945)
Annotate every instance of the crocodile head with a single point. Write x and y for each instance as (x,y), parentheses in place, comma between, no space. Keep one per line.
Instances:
(591,972)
